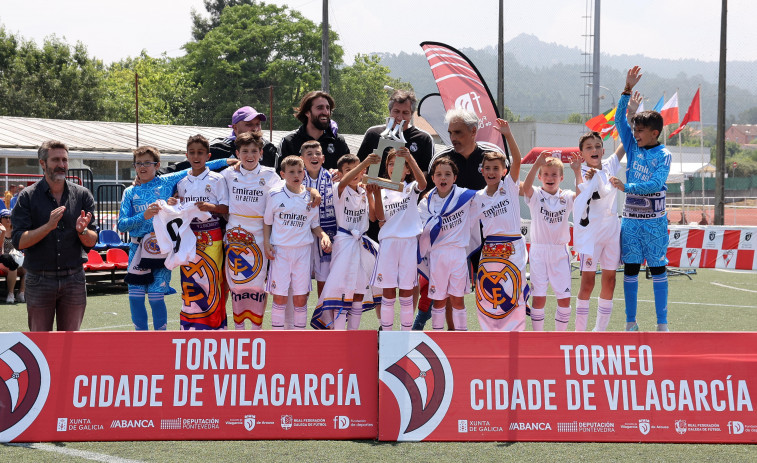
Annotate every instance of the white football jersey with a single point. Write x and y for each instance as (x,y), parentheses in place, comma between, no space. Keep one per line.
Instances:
(291,217)
(174,234)
(549,216)
(247,192)
(351,209)
(608,204)
(401,212)
(500,213)
(209,187)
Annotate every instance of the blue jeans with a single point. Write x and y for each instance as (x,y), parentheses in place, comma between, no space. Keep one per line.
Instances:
(55,294)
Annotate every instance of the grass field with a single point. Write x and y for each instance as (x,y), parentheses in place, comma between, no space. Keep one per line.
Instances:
(712,301)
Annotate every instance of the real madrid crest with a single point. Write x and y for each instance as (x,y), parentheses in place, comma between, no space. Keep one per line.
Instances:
(262,182)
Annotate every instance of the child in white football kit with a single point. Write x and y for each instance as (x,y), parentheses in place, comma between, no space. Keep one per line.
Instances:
(353,255)
(246,264)
(549,257)
(320,179)
(400,222)
(202,283)
(290,223)
(445,213)
(501,273)
(596,229)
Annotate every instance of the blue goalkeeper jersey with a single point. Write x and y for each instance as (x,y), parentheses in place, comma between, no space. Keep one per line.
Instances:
(647,169)
(137,198)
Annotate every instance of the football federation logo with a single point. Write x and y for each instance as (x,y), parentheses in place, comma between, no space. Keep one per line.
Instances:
(24,384)
(249,422)
(681,426)
(498,281)
(244,259)
(420,378)
(644,426)
(286,422)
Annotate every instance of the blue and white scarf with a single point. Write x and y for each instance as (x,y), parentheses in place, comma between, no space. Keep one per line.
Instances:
(433,225)
(327,215)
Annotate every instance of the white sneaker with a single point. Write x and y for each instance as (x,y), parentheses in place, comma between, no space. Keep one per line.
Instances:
(10,299)
(21,297)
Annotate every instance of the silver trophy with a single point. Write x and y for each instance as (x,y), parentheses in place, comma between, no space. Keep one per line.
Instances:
(391,137)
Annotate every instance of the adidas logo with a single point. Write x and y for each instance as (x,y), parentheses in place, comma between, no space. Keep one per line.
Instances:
(236,179)
(136,196)
(567,290)
(281,205)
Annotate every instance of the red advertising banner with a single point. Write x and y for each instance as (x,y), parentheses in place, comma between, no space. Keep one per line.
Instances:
(188,386)
(607,387)
(712,247)
(462,86)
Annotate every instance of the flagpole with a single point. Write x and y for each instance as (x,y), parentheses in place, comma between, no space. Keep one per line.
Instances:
(683,185)
(701,145)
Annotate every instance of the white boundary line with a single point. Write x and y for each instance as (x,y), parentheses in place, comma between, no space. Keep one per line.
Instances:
(87,455)
(695,303)
(733,287)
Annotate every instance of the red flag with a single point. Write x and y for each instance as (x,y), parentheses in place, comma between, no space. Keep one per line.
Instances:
(669,112)
(461,85)
(692,115)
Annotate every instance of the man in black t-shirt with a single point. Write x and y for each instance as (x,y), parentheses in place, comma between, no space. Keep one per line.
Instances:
(402,106)
(462,126)
(315,114)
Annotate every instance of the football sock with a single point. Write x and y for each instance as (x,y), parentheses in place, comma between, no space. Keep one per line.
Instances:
(387,313)
(631,290)
(356,312)
(300,317)
(660,289)
(277,316)
(460,319)
(138,308)
(340,318)
(437,318)
(406,312)
(537,319)
(582,314)
(604,310)
(562,317)
(159,311)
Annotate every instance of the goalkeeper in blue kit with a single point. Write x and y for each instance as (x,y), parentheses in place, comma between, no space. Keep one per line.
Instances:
(644,229)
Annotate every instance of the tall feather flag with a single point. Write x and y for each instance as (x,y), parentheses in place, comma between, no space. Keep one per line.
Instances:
(462,86)
(692,114)
(669,112)
(660,103)
(604,124)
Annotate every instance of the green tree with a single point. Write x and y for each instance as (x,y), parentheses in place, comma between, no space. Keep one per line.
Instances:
(166,91)
(56,81)
(358,90)
(254,46)
(749,116)
(576,118)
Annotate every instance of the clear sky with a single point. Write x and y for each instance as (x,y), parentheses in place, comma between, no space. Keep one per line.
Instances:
(675,29)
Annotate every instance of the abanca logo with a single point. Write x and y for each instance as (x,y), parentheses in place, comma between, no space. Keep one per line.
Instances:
(419,375)
(24,384)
